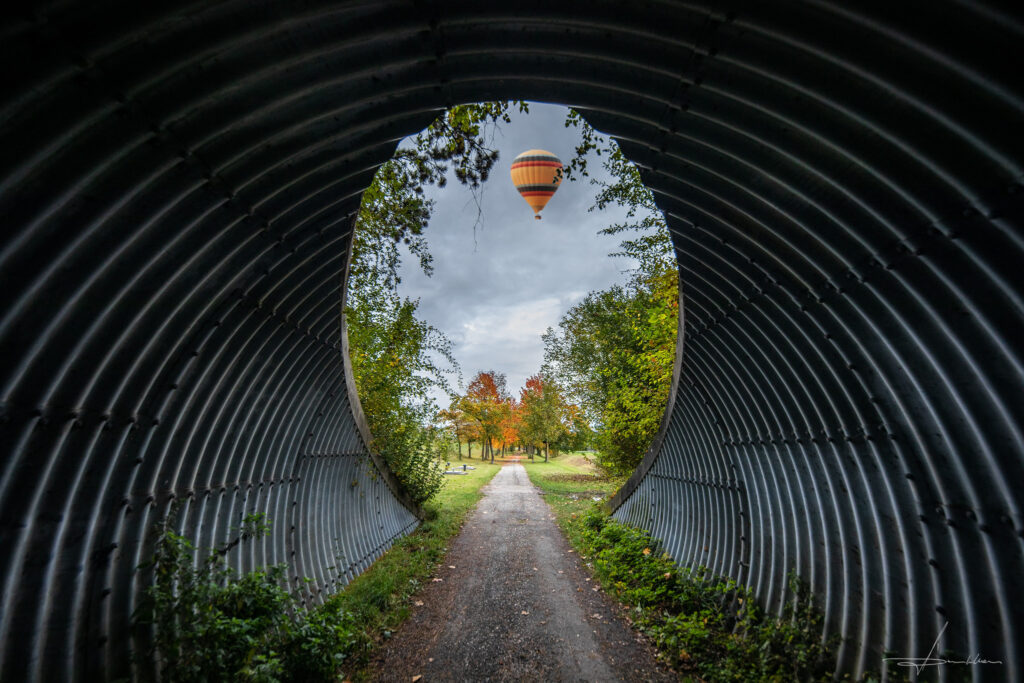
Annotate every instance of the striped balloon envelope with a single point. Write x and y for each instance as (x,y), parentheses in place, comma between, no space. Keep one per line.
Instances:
(536,174)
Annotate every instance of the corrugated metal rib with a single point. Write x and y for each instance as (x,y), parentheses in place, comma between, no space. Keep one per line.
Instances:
(843,186)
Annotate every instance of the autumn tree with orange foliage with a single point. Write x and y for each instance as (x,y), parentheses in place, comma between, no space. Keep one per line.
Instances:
(511,425)
(487,404)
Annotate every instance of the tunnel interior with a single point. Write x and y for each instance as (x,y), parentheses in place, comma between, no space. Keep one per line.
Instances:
(842,185)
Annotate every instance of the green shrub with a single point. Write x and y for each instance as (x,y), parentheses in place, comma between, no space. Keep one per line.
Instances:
(210,624)
(700,622)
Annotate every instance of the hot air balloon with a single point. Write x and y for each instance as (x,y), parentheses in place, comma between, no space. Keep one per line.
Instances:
(536,174)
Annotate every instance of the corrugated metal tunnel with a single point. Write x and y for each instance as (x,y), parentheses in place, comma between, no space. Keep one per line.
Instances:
(843,186)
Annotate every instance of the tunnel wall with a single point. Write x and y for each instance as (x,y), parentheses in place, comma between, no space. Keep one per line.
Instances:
(842,185)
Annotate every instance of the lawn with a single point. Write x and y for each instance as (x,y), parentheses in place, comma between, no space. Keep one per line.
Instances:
(570,483)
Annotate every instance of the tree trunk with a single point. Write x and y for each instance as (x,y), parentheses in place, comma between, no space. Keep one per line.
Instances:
(545,451)
(459,441)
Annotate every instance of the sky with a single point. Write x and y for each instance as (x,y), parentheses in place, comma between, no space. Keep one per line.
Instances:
(493,294)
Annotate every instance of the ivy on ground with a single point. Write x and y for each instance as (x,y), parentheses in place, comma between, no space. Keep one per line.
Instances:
(705,625)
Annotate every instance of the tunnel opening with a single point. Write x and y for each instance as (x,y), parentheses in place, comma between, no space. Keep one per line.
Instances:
(585,304)
(842,185)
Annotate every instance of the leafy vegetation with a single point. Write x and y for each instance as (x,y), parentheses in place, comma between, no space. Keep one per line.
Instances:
(707,627)
(211,624)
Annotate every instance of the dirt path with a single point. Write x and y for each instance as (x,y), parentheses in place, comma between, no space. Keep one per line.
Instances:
(516,607)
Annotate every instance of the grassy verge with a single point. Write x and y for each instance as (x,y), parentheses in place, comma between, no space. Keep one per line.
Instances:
(570,482)
(379,599)
(707,627)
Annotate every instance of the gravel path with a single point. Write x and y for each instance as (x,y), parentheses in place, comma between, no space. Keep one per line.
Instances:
(517,606)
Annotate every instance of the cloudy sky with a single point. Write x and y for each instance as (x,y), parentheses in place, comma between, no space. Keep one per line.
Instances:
(495,293)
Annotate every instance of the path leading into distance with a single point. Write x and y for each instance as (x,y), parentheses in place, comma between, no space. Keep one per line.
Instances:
(518,605)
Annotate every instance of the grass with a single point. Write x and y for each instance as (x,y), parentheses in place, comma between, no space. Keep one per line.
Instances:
(707,627)
(379,599)
(570,482)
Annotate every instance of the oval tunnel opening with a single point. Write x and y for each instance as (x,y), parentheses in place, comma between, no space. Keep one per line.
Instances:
(584,304)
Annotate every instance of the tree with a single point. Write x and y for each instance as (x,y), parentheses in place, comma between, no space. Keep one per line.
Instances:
(544,412)
(486,402)
(580,435)
(463,427)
